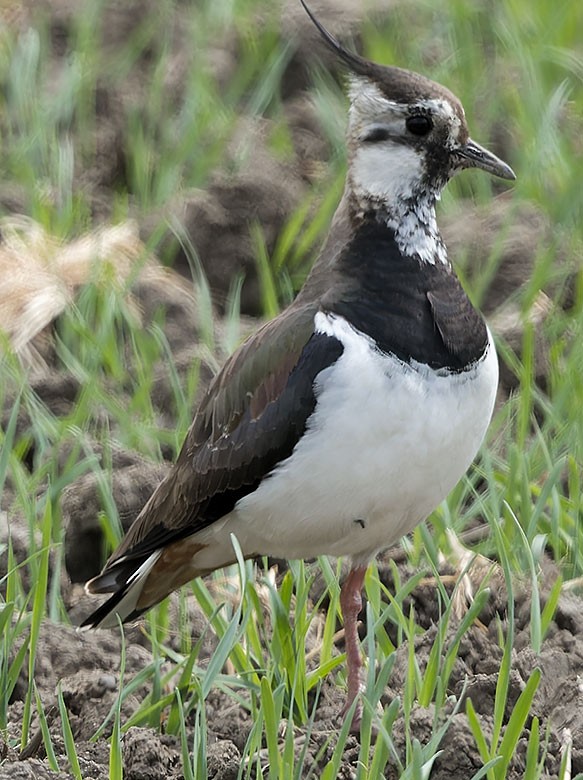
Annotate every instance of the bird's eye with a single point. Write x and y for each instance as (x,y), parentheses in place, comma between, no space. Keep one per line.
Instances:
(419,124)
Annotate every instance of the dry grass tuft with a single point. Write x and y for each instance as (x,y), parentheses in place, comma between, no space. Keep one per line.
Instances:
(40,274)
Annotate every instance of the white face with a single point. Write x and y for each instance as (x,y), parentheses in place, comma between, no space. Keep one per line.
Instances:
(387,171)
(389,154)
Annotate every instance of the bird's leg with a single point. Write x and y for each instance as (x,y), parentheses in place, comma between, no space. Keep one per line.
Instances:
(351,604)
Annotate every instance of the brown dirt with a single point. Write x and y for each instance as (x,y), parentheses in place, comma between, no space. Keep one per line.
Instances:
(86,666)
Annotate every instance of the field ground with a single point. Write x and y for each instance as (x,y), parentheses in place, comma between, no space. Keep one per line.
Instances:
(208,135)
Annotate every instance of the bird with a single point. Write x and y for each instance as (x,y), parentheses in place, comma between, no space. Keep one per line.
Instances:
(347,419)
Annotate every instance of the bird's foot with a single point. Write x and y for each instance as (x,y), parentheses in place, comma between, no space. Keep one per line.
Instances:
(356,717)
(356,723)
(351,604)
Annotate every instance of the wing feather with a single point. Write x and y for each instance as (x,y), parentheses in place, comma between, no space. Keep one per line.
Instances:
(250,419)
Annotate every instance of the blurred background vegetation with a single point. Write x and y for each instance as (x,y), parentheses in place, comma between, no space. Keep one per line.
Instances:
(213,133)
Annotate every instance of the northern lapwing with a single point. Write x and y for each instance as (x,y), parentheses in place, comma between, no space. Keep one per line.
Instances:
(342,423)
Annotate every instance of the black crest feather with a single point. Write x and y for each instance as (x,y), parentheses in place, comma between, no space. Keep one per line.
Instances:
(402,86)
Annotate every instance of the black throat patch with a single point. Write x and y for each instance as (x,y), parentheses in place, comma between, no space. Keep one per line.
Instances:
(413,310)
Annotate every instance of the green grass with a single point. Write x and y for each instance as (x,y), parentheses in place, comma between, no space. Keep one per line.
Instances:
(518,68)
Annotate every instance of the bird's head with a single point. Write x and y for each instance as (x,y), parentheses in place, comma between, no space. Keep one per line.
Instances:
(407,135)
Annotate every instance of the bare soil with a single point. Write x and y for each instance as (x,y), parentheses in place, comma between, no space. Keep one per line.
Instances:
(86,666)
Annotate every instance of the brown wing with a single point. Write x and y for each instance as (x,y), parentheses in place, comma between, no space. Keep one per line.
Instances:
(250,419)
(461,327)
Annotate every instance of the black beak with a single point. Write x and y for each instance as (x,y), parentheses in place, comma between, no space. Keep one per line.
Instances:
(472,155)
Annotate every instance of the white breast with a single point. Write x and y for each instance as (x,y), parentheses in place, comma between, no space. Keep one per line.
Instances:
(384,446)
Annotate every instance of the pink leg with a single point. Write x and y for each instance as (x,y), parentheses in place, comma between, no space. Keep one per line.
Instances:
(351,604)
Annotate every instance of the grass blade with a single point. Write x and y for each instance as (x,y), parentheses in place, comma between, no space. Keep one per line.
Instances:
(68,737)
(516,723)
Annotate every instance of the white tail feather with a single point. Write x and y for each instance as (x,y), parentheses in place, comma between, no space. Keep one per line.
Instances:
(129,602)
